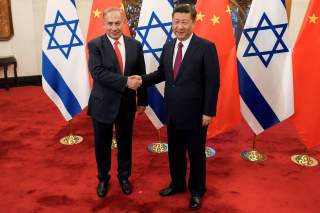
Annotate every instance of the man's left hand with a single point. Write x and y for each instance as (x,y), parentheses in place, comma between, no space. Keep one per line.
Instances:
(206,120)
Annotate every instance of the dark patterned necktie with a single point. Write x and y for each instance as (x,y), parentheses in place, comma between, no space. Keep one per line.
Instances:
(177,62)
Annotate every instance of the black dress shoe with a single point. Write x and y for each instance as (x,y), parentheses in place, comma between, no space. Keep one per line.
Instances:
(102,189)
(170,191)
(195,202)
(126,186)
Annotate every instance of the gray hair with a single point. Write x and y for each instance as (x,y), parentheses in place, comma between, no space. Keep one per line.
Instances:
(113,9)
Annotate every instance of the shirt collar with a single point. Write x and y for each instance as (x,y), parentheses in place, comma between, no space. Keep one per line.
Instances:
(185,42)
(121,40)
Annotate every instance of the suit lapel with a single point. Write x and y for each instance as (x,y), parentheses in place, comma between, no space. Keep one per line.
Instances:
(187,56)
(170,55)
(127,48)
(108,47)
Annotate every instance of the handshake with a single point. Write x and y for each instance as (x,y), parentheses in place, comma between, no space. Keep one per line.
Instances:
(134,82)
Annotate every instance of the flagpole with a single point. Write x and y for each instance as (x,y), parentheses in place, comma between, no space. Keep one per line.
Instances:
(304,159)
(158,147)
(254,155)
(71,139)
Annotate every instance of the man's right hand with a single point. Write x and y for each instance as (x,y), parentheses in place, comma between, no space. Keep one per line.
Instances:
(134,82)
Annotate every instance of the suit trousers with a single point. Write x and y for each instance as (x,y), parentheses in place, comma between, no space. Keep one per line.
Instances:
(193,142)
(103,133)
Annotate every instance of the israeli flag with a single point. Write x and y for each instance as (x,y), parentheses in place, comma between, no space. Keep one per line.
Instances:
(154,30)
(64,68)
(265,66)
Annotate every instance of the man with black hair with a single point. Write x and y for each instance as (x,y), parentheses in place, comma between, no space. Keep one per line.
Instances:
(190,68)
(187,2)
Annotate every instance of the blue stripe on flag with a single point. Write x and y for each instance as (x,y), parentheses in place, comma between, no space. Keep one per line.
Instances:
(251,95)
(56,82)
(171,3)
(156,102)
(73,2)
(283,2)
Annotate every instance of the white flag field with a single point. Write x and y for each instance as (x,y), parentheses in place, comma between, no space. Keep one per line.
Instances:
(265,66)
(154,30)
(65,77)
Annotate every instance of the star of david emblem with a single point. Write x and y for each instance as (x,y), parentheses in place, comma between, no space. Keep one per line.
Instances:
(63,34)
(265,40)
(144,32)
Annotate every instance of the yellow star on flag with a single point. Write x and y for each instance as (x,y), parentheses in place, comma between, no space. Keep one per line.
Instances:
(228,10)
(121,7)
(96,13)
(200,16)
(215,20)
(313,19)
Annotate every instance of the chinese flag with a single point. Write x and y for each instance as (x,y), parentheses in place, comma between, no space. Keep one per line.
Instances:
(214,23)
(96,27)
(96,22)
(306,77)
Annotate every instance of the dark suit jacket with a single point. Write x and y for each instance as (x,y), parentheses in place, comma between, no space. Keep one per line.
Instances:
(195,90)
(109,86)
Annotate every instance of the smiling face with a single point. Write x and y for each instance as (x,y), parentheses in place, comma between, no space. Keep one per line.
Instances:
(182,25)
(113,24)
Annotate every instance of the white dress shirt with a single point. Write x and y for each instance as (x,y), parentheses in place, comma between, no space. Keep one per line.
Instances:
(121,47)
(184,48)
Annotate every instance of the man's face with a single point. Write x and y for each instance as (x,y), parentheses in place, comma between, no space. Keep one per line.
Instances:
(113,24)
(182,25)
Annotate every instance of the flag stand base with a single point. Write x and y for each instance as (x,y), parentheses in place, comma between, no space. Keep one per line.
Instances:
(158,147)
(253,155)
(304,160)
(210,152)
(71,140)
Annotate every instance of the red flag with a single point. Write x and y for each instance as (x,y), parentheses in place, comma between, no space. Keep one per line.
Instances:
(306,76)
(214,23)
(96,23)
(96,27)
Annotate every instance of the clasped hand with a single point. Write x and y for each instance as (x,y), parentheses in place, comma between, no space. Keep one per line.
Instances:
(134,82)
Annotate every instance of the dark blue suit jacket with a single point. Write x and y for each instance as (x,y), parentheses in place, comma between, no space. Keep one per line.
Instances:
(109,86)
(195,90)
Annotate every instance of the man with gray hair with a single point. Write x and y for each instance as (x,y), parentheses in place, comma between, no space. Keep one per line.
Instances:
(115,97)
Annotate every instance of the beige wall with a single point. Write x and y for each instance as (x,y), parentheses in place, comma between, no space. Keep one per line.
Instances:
(28,17)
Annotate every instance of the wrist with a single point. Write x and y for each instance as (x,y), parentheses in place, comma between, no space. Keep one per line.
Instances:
(127,81)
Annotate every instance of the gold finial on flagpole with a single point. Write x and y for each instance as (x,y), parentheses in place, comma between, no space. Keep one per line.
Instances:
(71,139)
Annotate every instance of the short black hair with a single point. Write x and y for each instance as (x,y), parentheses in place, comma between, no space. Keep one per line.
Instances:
(186,8)
(187,1)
